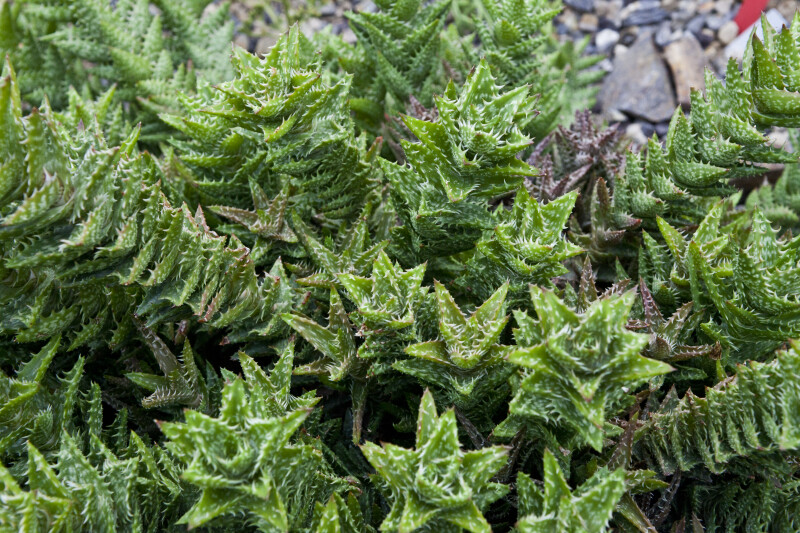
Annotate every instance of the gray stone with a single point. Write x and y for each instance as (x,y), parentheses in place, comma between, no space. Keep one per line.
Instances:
(584,6)
(645,16)
(664,34)
(696,24)
(715,22)
(681,16)
(588,23)
(643,13)
(639,85)
(348,36)
(312,26)
(605,40)
(328,10)
(606,65)
(687,62)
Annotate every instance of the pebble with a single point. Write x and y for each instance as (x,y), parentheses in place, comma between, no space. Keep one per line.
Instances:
(311,26)
(242,41)
(588,23)
(715,22)
(636,134)
(584,6)
(696,24)
(681,17)
(664,34)
(628,37)
(607,23)
(616,116)
(328,10)
(605,40)
(605,9)
(706,7)
(723,7)
(348,36)
(645,16)
(779,137)
(570,20)
(686,37)
(728,32)
(687,62)
(706,37)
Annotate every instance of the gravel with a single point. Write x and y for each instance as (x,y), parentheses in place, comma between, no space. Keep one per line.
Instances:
(670,42)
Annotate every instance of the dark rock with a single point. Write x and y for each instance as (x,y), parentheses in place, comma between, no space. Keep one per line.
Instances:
(645,16)
(607,24)
(339,28)
(662,128)
(584,6)
(648,129)
(706,37)
(639,85)
(696,24)
(628,39)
